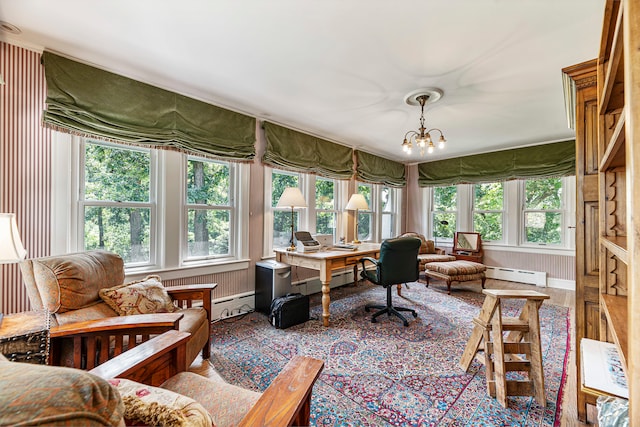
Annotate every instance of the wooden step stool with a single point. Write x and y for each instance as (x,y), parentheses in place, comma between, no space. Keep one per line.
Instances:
(523,338)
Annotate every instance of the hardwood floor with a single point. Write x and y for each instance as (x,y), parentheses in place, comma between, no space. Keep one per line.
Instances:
(558,297)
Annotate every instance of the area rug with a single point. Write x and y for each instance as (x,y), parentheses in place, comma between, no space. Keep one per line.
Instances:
(383,373)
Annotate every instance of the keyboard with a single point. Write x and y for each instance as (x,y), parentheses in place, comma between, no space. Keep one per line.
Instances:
(344,247)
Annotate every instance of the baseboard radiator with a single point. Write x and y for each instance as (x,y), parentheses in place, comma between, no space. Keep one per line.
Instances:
(233,305)
(538,278)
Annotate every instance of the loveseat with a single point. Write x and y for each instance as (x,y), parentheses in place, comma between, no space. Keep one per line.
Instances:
(428,251)
(69,287)
(146,385)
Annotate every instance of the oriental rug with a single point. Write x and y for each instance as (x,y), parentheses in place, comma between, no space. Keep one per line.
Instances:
(379,374)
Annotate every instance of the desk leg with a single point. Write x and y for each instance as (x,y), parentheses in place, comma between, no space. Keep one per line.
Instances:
(325,278)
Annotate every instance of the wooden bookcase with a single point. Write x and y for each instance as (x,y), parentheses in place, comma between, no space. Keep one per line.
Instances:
(608,237)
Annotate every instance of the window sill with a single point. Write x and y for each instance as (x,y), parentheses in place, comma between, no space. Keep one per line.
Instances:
(538,249)
(187,270)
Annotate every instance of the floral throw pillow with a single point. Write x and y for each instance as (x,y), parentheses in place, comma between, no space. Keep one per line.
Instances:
(156,406)
(144,296)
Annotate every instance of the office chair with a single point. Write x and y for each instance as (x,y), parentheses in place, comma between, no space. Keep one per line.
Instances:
(398,264)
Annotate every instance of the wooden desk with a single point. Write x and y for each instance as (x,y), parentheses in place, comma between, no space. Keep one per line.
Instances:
(326,262)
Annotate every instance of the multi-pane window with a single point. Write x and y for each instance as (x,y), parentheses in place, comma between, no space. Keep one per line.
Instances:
(326,213)
(365,217)
(117,201)
(282,217)
(388,213)
(488,208)
(209,208)
(543,211)
(445,211)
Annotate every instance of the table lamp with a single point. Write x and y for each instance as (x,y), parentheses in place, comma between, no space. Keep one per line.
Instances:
(11,249)
(291,198)
(356,202)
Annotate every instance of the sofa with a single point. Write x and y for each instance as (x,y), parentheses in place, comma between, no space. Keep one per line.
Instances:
(146,385)
(69,287)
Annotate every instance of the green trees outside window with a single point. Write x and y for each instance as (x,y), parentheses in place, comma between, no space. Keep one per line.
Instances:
(543,211)
(116,201)
(209,210)
(325,207)
(488,207)
(445,211)
(365,217)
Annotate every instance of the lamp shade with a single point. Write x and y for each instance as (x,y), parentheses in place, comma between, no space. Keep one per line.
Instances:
(357,201)
(11,249)
(291,198)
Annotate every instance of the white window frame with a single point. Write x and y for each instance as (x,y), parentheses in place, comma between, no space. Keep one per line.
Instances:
(460,195)
(83,203)
(490,211)
(168,231)
(231,208)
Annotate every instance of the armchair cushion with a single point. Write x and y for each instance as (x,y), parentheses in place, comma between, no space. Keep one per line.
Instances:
(144,296)
(159,407)
(227,404)
(47,395)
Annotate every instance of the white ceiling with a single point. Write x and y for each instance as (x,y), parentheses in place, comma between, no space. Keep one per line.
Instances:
(340,69)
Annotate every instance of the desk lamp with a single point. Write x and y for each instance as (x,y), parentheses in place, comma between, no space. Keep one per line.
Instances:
(11,249)
(356,202)
(291,198)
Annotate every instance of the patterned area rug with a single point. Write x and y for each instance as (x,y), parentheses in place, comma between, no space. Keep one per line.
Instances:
(383,373)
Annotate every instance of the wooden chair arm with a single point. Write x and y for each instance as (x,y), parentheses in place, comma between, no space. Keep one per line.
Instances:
(152,362)
(118,323)
(93,342)
(287,401)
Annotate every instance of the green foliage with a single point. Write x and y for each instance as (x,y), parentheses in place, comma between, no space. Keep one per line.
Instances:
(325,199)
(444,198)
(208,183)
(488,197)
(125,231)
(543,195)
(282,218)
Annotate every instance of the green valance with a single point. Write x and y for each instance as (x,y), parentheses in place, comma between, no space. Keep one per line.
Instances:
(540,161)
(378,170)
(296,151)
(88,101)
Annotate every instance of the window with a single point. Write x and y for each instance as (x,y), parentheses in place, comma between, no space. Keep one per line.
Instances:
(325,206)
(445,211)
(116,201)
(488,207)
(282,217)
(543,211)
(388,214)
(209,209)
(365,223)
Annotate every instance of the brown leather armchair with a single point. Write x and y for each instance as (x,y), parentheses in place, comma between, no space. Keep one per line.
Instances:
(68,286)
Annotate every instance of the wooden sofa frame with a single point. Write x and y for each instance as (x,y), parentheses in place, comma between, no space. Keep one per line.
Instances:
(286,402)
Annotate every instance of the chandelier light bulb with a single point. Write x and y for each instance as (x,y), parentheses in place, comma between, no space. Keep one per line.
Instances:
(428,138)
(430,149)
(441,142)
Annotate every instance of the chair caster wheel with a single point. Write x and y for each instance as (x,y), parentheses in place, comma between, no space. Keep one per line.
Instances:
(414,314)
(406,323)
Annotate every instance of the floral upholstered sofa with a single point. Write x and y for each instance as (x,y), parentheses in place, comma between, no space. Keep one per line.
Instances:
(86,292)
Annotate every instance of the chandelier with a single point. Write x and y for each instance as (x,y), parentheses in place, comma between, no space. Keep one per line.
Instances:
(422,138)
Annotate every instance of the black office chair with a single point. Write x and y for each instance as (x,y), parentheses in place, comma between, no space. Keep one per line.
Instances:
(398,264)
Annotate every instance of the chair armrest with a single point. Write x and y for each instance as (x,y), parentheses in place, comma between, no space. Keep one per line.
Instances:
(118,323)
(152,362)
(363,261)
(287,401)
(93,342)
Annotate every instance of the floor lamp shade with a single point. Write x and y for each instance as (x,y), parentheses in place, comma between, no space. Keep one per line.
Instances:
(11,249)
(356,202)
(292,198)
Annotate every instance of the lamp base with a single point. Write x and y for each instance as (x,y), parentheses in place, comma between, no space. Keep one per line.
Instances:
(356,242)
(291,248)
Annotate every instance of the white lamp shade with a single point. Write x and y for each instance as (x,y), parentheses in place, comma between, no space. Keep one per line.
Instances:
(11,249)
(357,201)
(291,198)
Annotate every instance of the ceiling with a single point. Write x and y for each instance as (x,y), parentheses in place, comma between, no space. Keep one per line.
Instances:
(340,69)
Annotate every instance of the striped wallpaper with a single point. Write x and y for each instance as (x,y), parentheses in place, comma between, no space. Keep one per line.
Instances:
(25,166)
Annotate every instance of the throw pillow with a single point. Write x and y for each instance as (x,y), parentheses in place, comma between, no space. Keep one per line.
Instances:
(144,296)
(155,406)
